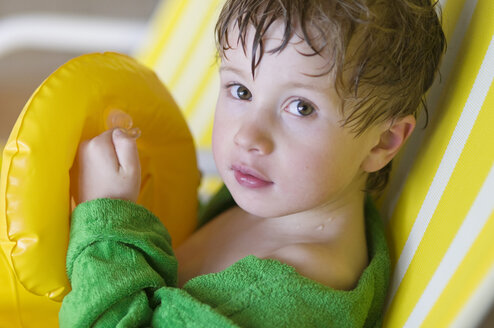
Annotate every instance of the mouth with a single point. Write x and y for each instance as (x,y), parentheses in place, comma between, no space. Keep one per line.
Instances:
(249,178)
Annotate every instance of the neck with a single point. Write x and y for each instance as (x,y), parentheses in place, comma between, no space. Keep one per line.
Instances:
(336,221)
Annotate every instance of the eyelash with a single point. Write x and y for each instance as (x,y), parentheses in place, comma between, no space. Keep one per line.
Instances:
(229,87)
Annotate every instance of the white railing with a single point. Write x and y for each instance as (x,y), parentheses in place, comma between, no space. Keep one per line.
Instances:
(70,33)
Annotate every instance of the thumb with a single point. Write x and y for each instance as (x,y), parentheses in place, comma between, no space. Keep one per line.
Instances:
(126,150)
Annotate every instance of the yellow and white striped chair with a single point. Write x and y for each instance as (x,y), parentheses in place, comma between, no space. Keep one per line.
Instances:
(440,201)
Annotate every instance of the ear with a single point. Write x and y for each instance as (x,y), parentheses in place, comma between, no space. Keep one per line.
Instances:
(390,142)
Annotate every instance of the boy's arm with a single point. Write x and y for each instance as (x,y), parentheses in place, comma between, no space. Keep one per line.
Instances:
(119,256)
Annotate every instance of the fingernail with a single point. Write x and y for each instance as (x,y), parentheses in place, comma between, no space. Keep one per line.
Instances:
(132,133)
(120,132)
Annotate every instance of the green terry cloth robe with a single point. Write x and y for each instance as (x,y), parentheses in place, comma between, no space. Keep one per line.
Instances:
(124,274)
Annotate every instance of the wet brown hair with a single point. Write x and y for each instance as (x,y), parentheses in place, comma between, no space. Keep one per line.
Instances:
(382,54)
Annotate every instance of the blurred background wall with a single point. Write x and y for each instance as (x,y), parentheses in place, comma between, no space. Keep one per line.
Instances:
(23,67)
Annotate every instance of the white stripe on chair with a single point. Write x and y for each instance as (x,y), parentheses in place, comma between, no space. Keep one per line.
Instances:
(471,227)
(446,167)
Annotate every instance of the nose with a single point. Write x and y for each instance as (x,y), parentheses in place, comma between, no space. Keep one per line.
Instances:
(254,137)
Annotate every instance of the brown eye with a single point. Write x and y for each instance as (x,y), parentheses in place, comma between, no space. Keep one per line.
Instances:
(300,108)
(240,92)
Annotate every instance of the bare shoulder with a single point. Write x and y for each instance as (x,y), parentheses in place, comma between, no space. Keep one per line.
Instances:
(320,263)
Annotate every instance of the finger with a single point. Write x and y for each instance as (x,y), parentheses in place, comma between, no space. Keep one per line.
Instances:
(126,150)
(105,137)
(102,146)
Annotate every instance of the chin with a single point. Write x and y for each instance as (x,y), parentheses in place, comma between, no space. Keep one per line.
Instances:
(262,208)
(257,202)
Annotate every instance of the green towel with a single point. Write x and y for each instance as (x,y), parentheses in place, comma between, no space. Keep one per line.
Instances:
(124,274)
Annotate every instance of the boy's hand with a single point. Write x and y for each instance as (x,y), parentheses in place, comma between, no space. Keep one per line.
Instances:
(108,167)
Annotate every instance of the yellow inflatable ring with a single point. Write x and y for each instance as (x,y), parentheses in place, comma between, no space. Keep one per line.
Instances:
(70,106)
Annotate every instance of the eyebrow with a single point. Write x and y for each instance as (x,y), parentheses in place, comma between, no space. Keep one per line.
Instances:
(300,85)
(231,69)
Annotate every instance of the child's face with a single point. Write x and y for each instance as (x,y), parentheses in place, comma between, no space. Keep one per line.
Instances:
(277,139)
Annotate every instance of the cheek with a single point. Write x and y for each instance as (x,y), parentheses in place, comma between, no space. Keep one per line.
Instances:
(307,169)
(317,173)
(322,172)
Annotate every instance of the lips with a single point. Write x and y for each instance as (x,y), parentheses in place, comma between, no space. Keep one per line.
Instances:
(249,177)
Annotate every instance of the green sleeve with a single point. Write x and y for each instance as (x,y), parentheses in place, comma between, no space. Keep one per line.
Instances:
(123,271)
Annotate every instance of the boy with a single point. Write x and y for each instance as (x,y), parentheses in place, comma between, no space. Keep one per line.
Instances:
(316,98)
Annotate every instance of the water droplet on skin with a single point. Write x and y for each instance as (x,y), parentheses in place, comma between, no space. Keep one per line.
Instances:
(320,227)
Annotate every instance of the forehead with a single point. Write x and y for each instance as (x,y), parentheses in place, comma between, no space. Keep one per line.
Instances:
(297,56)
